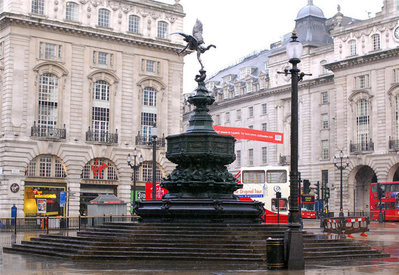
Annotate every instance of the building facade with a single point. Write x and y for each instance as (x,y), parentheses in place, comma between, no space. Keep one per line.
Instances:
(349,103)
(82,83)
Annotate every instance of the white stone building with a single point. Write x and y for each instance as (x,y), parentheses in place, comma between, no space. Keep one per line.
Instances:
(81,84)
(350,103)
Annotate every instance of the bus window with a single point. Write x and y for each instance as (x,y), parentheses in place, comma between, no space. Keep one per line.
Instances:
(283,204)
(374,188)
(253,177)
(276,176)
(307,207)
(397,203)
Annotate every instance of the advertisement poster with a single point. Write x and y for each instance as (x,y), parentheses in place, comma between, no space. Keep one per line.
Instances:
(41,206)
(159,191)
(250,134)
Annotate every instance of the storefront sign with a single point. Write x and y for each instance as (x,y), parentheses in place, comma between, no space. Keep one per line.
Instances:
(14,187)
(97,170)
(250,134)
(46,196)
(41,206)
(159,191)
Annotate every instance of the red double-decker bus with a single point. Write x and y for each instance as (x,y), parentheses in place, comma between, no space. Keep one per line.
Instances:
(308,210)
(389,201)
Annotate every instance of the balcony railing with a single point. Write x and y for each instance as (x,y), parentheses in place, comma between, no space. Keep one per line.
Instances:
(361,147)
(393,144)
(285,160)
(146,140)
(47,132)
(102,137)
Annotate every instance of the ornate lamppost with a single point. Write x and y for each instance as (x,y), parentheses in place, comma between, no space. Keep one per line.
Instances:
(295,259)
(154,133)
(135,166)
(341,167)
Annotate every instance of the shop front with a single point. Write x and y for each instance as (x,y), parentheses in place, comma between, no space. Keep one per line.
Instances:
(45,187)
(99,177)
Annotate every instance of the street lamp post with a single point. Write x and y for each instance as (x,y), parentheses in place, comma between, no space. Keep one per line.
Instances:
(154,133)
(341,167)
(295,260)
(135,166)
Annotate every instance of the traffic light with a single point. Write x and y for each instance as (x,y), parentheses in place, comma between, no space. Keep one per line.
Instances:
(318,190)
(327,193)
(380,192)
(306,187)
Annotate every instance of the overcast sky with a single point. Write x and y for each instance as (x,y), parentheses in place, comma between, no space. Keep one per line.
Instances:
(240,27)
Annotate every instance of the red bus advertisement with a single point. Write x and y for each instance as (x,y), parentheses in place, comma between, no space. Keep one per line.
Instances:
(389,201)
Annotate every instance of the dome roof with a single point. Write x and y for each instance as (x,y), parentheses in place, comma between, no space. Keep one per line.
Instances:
(310,10)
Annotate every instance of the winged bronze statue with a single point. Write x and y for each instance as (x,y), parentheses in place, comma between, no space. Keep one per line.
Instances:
(195,42)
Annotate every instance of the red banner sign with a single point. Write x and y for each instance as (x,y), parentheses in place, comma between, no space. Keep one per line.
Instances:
(251,134)
(98,170)
(148,191)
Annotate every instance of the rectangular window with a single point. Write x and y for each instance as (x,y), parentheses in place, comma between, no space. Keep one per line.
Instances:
(162,30)
(238,158)
(249,87)
(362,81)
(32,168)
(150,66)
(50,51)
(376,42)
(103,59)
(45,166)
(396,75)
(264,126)
(227,117)
(134,23)
(72,11)
(59,169)
(103,17)
(238,115)
(324,121)
(38,6)
(352,47)
(324,177)
(217,120)
(324,98)
(251,157)
(264,109)
(1,50)
(147,123)
(100,123)
(325,150)
(264,155)
(250,111)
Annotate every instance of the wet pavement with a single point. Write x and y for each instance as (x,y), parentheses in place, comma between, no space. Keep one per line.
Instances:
(381,236)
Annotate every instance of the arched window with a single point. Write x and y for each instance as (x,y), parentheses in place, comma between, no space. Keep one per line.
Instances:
(103,17)
(376,42)
(134,23)
(38,6)
(100,111)
(363,124)
(99,169)
(48,103)
(48,166)
(352,47)
(162,30)
(72,11)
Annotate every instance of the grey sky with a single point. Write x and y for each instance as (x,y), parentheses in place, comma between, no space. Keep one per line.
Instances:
(239,28)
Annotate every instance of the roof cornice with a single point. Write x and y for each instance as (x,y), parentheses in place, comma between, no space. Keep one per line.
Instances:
(7,19)
(362,60)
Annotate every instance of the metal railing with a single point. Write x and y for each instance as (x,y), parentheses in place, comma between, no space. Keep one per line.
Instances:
(145,140)
(47,132)
(361,147)
(102,137)
(47,223)
(393,144)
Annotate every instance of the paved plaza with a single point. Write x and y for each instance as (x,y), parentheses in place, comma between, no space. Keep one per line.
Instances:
(382,236)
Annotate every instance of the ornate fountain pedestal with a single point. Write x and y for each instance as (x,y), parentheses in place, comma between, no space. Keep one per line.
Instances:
(200,188)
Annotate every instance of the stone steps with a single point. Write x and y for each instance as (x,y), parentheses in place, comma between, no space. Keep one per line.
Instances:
(183,242)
